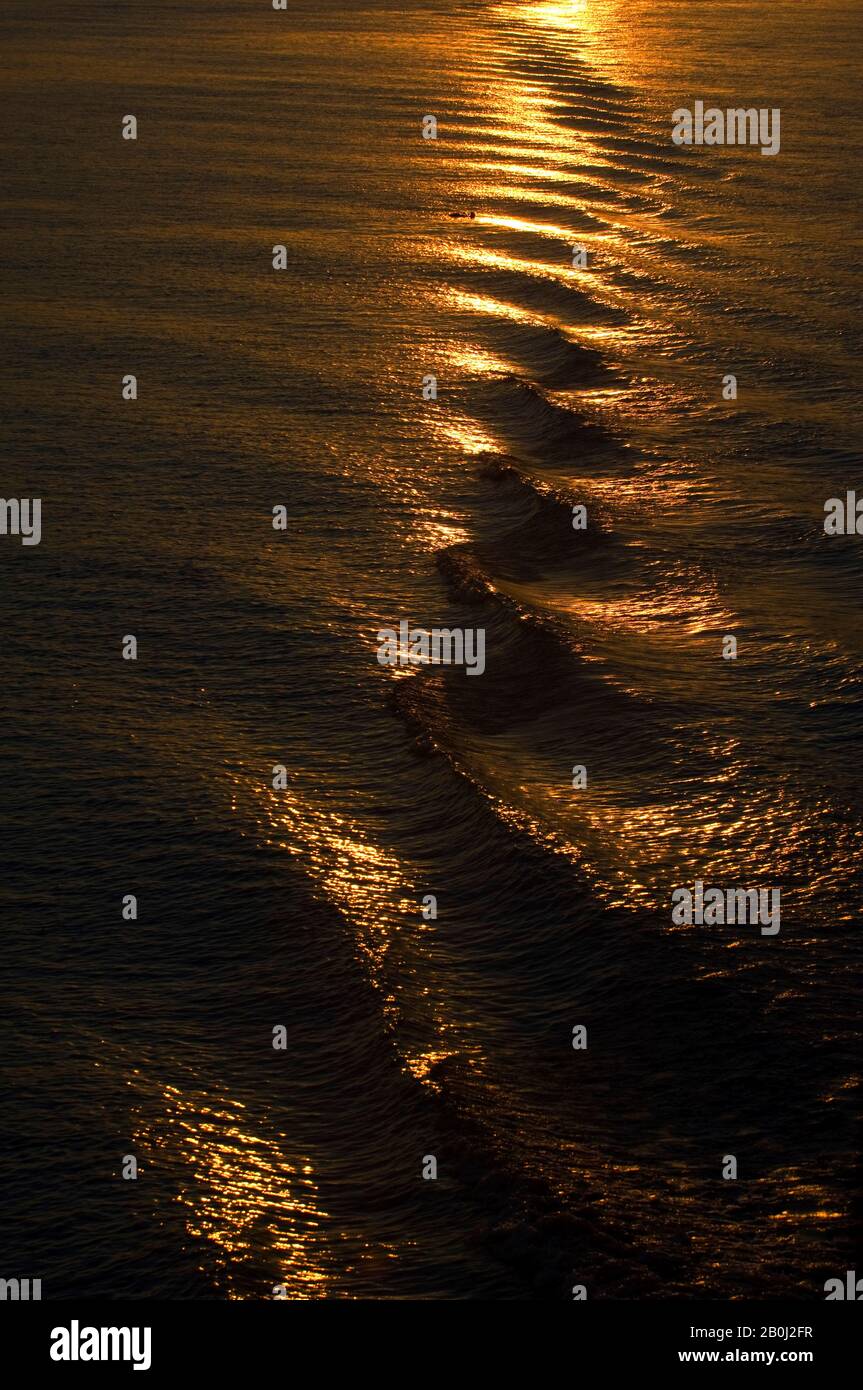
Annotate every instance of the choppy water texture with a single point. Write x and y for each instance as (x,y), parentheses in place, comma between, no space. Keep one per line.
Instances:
(301,907)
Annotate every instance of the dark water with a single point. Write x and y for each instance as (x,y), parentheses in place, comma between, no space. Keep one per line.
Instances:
(301,907)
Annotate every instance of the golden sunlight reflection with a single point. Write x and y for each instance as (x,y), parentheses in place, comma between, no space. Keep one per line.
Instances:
(368,884)
(525,171)
(648,613)
(474,359)
(625,845)
(523,224)
(603,291)
(466,434)
(484,304)
(434,535)
(358,877)
(423,1065)
(237,1187)
(812,1203)
(556,14)
(496,191)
